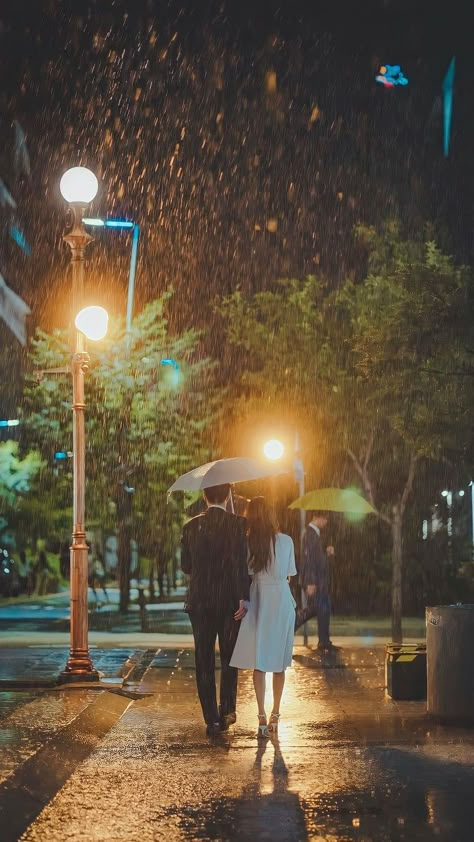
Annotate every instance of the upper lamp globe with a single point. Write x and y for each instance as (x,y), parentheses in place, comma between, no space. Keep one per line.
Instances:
(79,186)
(273,449)
(93,322)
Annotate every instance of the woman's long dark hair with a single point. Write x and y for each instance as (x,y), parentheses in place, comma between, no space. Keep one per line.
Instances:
(261,534)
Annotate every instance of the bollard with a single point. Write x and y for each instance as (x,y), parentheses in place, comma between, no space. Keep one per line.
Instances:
(450,663)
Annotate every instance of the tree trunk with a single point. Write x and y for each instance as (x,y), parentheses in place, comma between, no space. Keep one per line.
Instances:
(397,559)
(151,580)
(123,551)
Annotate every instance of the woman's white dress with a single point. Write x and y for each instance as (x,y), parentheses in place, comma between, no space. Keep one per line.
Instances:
(265,640)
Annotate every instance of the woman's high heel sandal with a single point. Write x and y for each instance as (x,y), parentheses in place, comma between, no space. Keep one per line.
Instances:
(262,732)
(273,724)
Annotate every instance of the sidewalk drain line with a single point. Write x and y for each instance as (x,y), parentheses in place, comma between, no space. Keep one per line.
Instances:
(27,792)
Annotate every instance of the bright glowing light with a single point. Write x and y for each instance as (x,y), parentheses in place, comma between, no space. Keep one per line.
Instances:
(119,223)
(97,223)
(93,322)
(10,422)
(273,449)
(444,493)
(79,186)
(461,493)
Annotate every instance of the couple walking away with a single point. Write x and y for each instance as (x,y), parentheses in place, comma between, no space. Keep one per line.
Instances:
(255,624)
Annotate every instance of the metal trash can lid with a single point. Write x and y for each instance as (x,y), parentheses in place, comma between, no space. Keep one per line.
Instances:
(404,648)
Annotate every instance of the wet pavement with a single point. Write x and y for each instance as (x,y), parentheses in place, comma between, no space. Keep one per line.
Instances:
(349,764)
(32,716)
(39,666)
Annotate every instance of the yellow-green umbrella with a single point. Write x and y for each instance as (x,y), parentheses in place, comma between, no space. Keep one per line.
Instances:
(334,500)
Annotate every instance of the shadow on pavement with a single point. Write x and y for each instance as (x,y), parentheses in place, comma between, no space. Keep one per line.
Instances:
(266,808)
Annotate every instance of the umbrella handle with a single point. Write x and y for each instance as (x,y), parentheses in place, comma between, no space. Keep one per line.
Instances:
(232,501)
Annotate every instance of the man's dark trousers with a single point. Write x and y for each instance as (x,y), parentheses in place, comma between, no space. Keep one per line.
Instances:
(319,607)
(206,628)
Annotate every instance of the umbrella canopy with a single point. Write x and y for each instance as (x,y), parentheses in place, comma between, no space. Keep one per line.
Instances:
(238,469)
(334,500)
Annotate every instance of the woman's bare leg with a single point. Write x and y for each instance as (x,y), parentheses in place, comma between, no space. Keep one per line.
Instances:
(278,685)
(259,686)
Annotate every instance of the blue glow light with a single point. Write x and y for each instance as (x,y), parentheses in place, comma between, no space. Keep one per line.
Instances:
(62,454)
(11,422)
(119,223)
(448,91)
(169,361)
(20,240)
(390,76)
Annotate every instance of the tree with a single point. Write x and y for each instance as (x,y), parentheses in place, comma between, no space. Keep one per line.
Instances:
(16,477)
(145,422)
(376,368)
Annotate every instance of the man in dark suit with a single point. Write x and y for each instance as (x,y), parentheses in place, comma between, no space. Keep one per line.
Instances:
(315,579)
(214,555)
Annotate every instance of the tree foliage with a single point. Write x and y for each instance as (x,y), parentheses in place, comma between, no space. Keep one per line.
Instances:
(380,370)
(145,422)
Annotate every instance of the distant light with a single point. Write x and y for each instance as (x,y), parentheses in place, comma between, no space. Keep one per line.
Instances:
(92,322)
(273,449)
(97,223)
(79,186)
(390,76)
(169,361)
(119,223)
(444,493)
(461,493)
(10,422)
(62,454)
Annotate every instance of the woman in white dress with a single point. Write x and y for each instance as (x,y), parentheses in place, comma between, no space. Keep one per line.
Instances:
(265,641)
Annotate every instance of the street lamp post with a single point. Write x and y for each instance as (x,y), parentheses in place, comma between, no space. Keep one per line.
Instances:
(79,187)
(298,467)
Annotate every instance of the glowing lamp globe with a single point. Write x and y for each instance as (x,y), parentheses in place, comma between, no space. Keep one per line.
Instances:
(79,186)
(273,449)
(92,322)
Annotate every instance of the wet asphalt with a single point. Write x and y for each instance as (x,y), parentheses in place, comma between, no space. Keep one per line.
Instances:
(349,764)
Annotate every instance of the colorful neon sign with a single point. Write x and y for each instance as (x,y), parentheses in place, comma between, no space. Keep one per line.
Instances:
(391,75)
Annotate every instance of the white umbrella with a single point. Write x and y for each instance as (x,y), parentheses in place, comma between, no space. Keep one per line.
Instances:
(238,469)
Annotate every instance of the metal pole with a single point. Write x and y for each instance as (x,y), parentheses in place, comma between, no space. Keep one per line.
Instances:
(472,516)
(79,666)
(131,278)
(299,471)
(127,538)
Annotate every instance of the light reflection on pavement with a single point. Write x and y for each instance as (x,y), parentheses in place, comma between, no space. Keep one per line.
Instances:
(348,765)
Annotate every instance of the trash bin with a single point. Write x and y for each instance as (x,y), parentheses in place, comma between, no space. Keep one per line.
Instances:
(450,662)
(405,671)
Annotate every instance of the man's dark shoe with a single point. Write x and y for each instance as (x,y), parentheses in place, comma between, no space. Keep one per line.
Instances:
(213,729)
(328,647)
(227,720)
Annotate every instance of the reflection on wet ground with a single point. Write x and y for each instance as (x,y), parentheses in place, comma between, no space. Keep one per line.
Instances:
(349,764)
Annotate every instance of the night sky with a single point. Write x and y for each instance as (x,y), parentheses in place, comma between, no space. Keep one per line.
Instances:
(247,139)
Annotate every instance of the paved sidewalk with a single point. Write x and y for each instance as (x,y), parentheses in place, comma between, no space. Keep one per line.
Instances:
(39,666)
(349,764)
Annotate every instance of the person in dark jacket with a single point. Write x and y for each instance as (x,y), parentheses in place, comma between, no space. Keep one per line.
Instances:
(315,580)
(214,555)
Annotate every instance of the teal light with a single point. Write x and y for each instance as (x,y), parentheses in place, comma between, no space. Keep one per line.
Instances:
(119,223)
